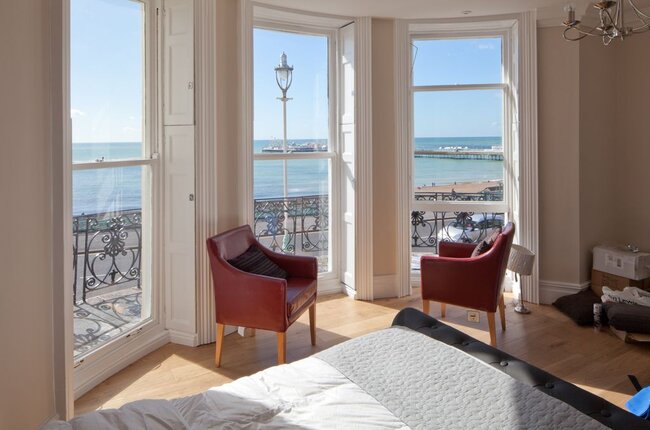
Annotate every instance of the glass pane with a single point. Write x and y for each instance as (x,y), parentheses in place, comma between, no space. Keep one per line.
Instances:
(457,61)
(110,237)
(107,76)
(306,99)
(458,145)
(299,223)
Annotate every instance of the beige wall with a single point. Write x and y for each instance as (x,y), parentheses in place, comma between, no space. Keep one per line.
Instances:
(559,209)
(228,117)
(594,148)
(383,150)
(632,142)
(598,155)
(27,393)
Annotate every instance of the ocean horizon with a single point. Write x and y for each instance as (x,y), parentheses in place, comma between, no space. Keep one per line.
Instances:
(118,189)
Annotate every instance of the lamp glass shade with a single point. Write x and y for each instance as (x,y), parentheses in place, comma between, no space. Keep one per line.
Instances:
(521,260)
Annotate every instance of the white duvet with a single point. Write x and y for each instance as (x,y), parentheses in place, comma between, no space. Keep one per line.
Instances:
(392,379)
(306,394)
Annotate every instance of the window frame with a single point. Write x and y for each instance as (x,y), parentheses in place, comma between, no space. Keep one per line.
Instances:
(332,155)
(86,364)
(508,115)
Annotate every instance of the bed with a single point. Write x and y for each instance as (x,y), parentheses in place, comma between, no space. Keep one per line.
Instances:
(417,374)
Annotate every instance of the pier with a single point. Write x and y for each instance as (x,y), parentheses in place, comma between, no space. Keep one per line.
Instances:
(460,155)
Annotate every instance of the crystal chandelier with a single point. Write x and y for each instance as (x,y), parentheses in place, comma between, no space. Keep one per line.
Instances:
(612,22)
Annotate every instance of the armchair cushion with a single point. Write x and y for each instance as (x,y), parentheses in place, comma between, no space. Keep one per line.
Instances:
(253,260)
(486,244)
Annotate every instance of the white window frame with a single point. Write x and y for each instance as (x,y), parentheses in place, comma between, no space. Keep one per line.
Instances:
(277,19)
(505,86)
(110,357)
(520,145)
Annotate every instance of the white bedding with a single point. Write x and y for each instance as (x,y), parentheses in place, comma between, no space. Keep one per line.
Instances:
(392,379)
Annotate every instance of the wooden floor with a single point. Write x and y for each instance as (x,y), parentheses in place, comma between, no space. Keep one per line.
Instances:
(595,361)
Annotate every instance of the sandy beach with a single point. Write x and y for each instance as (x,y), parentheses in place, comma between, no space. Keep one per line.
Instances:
(459,187)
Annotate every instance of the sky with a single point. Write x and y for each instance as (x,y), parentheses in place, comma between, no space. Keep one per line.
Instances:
(106,70)
(307,113)
(107,80)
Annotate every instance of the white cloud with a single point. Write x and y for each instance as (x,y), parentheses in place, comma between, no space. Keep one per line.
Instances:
(75,113)
(485,46)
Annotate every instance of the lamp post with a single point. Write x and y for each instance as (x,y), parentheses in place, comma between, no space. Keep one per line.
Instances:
(284,77)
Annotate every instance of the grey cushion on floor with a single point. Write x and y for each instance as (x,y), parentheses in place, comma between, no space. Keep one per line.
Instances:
(630,318)
(579,307)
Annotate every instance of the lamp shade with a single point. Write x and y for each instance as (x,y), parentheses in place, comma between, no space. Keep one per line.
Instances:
(521,260)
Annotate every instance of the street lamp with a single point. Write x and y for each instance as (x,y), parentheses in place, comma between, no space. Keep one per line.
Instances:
(284,77)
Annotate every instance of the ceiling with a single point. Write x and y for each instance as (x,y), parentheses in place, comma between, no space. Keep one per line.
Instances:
(549,11)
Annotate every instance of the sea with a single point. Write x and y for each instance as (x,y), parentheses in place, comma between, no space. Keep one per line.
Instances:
(118,189)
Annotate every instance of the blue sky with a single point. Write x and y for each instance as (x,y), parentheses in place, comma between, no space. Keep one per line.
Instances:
(107,93)
(307,113)
(454,113)
(106,70)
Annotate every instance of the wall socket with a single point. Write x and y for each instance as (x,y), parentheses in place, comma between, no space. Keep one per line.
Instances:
(473,316)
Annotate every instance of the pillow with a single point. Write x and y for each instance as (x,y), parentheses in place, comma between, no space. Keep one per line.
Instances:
(486,244)
(579,307)
(256,262)
(630,318)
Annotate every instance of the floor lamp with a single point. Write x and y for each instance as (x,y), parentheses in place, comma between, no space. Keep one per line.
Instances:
(521,263)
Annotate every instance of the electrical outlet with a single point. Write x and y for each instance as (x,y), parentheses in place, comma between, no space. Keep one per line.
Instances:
(473,316)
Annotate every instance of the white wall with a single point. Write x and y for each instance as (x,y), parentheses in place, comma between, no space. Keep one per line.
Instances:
(26,369)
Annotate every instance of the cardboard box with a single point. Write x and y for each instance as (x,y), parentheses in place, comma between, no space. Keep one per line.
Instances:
(601,279)
(621,262)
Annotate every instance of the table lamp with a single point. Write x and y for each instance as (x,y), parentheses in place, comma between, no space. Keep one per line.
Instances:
(521,263)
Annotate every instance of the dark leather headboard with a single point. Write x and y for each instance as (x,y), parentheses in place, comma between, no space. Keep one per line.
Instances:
(589,404)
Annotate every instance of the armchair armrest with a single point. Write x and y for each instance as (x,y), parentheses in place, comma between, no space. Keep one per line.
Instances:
(468,282)
(455,249)
(296,265)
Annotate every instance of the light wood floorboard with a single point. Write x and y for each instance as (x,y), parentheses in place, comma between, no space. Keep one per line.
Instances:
(595,361)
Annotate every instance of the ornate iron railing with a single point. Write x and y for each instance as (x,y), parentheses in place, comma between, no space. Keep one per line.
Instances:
(294,225)
(428,229)
(491,194)
(107,251)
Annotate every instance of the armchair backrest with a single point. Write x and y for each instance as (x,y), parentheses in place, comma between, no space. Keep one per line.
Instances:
(231,243)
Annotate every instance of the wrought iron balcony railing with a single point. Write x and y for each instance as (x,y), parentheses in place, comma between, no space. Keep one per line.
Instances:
(108,246)
(107,249)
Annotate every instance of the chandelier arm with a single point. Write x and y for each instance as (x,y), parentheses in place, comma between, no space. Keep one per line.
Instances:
(587,31)
(639,13)
(574,39)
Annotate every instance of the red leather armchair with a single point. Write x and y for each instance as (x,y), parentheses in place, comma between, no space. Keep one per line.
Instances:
(256,301)
(455,278)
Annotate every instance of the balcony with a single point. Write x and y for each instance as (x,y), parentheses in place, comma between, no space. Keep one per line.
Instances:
(107,293)
(108,252)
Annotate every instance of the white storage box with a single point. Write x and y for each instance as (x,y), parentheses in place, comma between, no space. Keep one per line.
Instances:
(621,262)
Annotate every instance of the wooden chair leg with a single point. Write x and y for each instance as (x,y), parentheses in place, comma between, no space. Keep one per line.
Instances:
(219,344)
(502,312)
(252,332)
(493,331)
(312,323)
(443,309)
(425,306)
(282,347)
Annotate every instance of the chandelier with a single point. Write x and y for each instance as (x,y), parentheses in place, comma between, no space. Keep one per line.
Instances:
(612,22)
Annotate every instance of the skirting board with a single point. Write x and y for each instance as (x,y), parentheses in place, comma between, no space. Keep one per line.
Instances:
(182,338)
(329,286)
(100,370)
(549,291)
